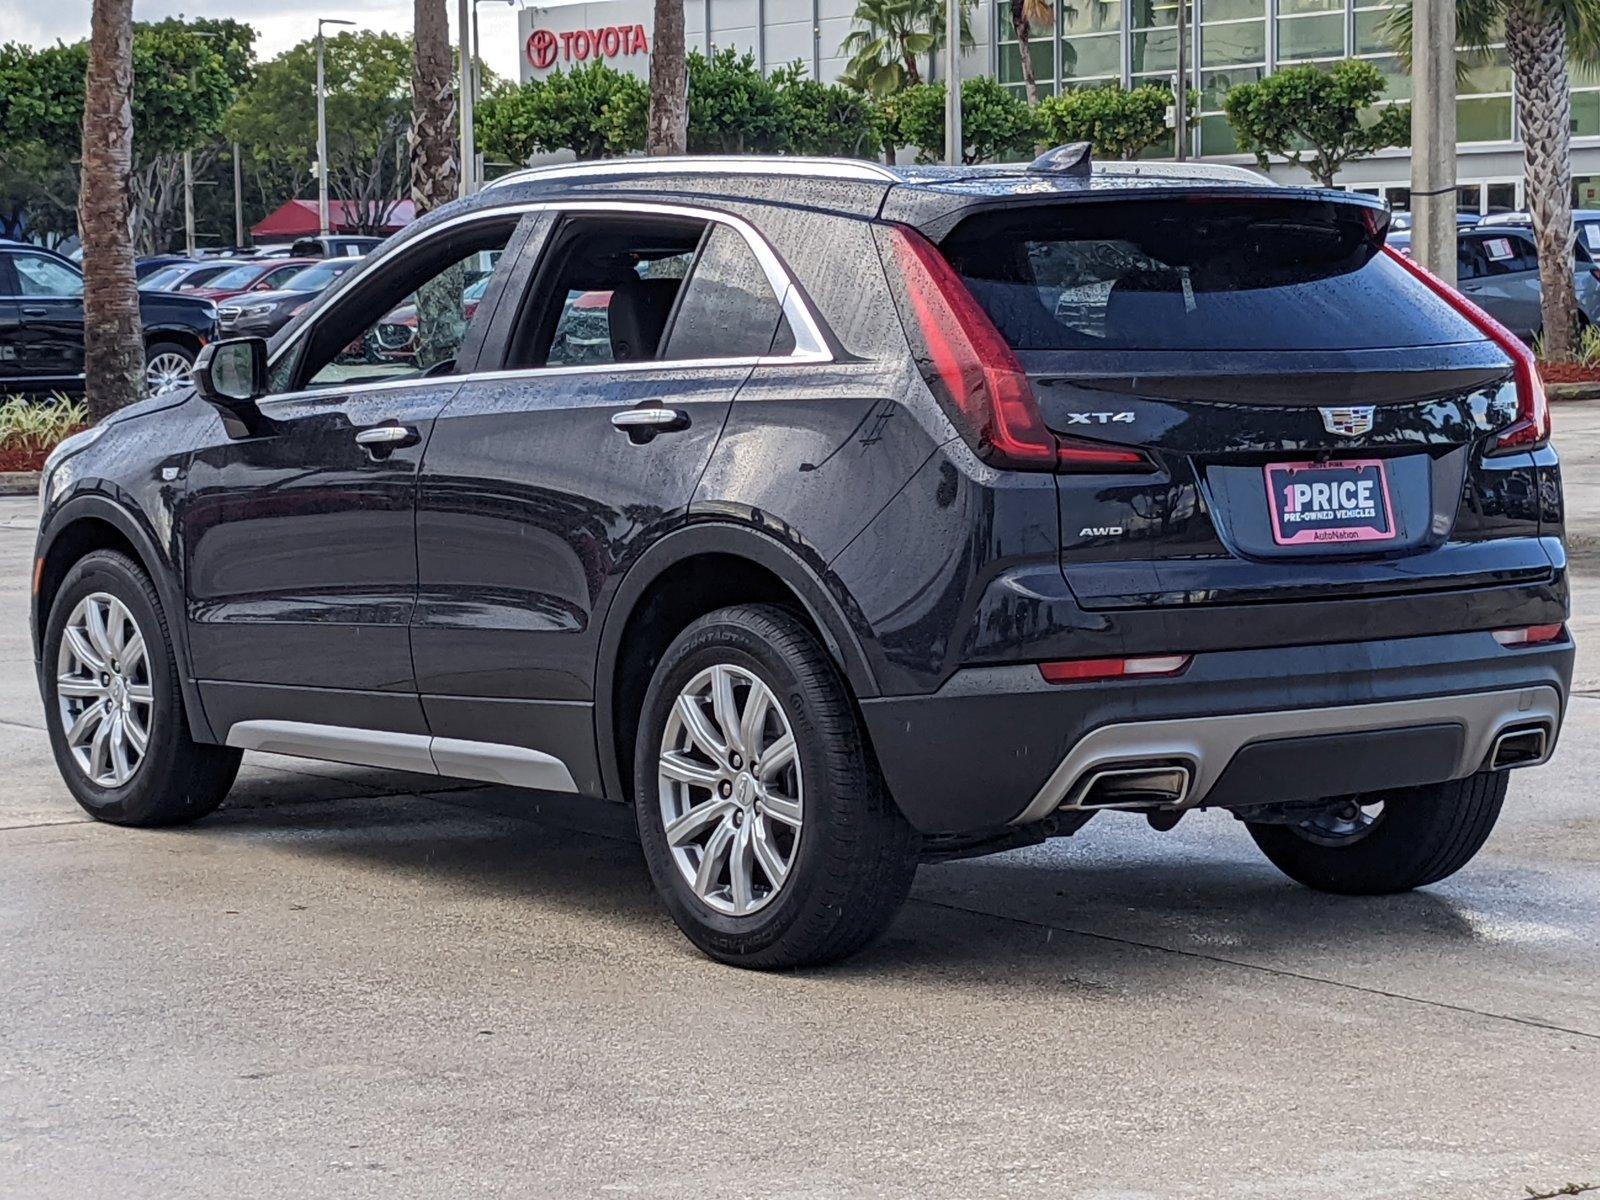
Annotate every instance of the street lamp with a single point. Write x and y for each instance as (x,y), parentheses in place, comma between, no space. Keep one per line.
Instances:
(322,129)
(474,92)
(952,83)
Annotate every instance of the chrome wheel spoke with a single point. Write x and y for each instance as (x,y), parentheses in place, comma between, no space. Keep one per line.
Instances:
(680,767)
(137,737)
(697,820)
(78,642)
(777,756)
(740,861)
(79,686)
(699,729)
(88,719)
(725,708)
(756,706)
(712,858)
(105,699)
(96,626)
(767,854)
(783,808)
(141,693)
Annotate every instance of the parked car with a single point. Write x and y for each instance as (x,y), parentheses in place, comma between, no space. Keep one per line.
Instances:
(262,314)
(1498,266)
(41,326)
(251,275)
(186,276)
(905,514)
(143,267)
(1403,221)
(1586,221)
(334,246)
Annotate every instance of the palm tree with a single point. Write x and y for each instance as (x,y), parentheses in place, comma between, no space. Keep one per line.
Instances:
(1026,16)
(888,36)
(435,154)
(113,359)
(1540,37)
(669,83)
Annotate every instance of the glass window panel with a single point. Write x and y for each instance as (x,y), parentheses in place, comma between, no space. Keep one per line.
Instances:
(1370,37)
(1493,75)
(1224,45)
(1585,113)
(1395,76)
(1586,194)
(1216,136)
(1288,8)
(1231,10)
(1041,50)
(1214,85)
(1148,13)
(1088,16)
(1579,75)
(1155,51)
(1163,149)
(1083,57)
(1487,120)
(1311,37)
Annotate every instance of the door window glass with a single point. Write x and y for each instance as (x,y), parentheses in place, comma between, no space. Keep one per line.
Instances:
(40,276)
(412,319)
(728,309)
(1469,260)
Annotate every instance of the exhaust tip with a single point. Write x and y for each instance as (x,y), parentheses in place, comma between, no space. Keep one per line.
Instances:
(1520,747)
(1163,785)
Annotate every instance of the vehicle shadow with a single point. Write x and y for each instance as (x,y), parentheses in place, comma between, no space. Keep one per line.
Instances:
(1058,915)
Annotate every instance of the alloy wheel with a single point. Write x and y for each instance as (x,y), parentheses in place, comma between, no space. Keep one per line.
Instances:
(731,793)
(104,691)
(166,372)
(1342,823)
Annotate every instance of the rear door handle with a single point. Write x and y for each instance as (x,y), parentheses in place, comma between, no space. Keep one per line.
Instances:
(387,437)
(35,311)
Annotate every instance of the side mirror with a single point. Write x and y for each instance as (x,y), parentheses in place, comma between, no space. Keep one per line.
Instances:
(231,375)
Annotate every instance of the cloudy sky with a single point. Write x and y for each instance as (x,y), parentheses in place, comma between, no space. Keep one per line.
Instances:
(280,23)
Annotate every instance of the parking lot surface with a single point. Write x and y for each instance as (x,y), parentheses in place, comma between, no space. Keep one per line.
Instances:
(356,983)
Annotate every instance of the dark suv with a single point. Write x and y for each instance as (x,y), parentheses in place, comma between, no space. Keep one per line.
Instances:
(840,517)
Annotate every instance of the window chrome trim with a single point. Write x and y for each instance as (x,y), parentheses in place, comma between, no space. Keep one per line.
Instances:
(810,344)
(732,164)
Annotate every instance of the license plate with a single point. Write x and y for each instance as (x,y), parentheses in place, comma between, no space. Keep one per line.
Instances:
(1329,502)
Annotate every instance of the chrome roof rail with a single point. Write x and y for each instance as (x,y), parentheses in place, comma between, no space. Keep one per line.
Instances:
(722,164)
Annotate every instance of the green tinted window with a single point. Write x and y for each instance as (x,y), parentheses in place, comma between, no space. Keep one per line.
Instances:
(1155,51)
(1311,37)
(1214,85)
(1042,51)
(1223,45)
(1216,136)
(1088,16)
(1370,36)
(1083,57)
(1231,10)
(1486,120)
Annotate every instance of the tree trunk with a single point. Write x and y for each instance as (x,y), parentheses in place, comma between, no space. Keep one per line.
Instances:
(1536,42)
(913,76)
(435,153)
(669,83)
(1020,24)
(112,340)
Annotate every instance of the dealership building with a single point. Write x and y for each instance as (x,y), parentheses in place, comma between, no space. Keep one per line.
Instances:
(1095,42)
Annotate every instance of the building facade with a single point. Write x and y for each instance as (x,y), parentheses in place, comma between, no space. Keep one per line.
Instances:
(1096,42)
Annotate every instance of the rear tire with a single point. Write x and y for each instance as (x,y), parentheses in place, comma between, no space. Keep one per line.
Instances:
(1422,835)
(824,858)
(123,678)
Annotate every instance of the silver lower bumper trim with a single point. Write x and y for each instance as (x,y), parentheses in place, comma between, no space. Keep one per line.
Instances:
(1207,744)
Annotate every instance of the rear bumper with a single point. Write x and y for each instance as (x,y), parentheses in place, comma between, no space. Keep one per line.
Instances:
(998,746)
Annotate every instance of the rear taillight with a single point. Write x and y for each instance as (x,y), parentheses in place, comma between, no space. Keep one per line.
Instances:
(1081,670)
(1528,635)
(977,377)
(1531,429)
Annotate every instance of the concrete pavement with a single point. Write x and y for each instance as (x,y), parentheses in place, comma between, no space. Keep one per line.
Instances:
(351,983)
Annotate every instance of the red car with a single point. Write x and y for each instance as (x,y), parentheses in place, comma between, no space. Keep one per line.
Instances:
(263,275)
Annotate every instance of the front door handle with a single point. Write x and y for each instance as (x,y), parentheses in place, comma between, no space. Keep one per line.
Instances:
(34,310)
(643,423)
(381,439)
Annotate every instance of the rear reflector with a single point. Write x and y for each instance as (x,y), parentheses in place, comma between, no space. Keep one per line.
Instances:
(1531,429)
(1528,635)
(1081,669)
(985,390)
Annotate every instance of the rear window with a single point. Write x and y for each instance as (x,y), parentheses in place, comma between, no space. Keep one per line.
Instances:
(1195,274)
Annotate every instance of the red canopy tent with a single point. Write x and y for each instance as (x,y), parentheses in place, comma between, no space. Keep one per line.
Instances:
(298,218)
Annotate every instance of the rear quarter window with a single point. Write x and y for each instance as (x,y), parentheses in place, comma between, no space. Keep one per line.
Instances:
(1201,273)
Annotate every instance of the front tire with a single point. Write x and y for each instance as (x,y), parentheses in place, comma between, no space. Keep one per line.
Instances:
(1384,842)
(113,705)
(767,828)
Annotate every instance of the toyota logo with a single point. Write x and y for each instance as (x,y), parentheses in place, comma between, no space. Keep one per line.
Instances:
(541,48)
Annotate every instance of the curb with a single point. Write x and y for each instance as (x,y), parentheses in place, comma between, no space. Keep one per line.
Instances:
(1572,391)
(19,483)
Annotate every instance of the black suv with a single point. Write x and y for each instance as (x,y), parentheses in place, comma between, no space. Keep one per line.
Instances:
(41,326)
(841,517)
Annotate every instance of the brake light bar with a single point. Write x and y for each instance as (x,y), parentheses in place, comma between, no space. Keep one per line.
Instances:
(1528,635)
(986,391)
(1080,670)
(1531,429)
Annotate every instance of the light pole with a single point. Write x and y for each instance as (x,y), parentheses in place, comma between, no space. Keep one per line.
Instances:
(1433,139)
(1180,109)
(476,87)
(322,129)
(952,83)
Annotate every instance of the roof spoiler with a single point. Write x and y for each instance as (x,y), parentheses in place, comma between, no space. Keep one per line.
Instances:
(1071,159)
